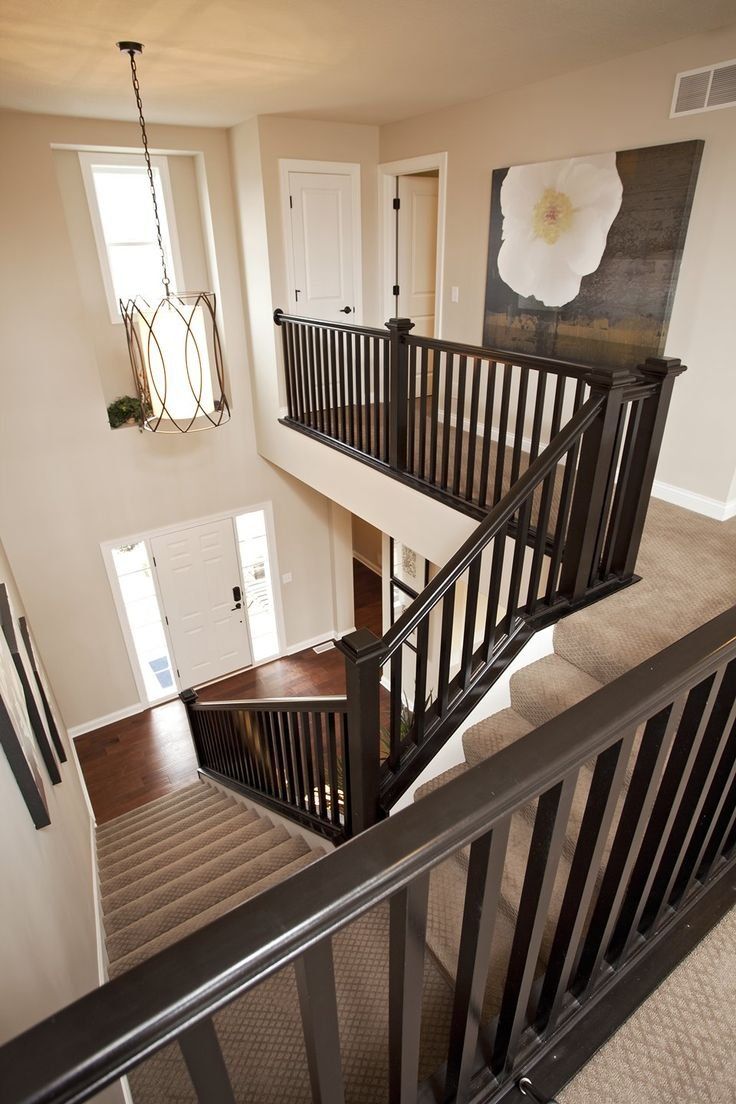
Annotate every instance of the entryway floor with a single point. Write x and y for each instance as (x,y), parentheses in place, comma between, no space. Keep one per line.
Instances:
(133,761)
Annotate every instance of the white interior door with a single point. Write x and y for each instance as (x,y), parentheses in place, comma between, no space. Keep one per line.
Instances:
(322,243)
(197,569)
(417,251)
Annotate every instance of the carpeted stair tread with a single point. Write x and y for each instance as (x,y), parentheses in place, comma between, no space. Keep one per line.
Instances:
(197,874)
(687,565)
(162,834)
(548,687)
(279,850)
(232,834)
(173,935)
(167,821)
(440,780)
(484,739)
(167,850)
(262,1038)
(152,809)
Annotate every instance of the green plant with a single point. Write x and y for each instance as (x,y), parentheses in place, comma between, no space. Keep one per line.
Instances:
(406,721)
(124,409)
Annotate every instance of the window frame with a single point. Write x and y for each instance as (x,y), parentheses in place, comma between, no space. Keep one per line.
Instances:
(88,159)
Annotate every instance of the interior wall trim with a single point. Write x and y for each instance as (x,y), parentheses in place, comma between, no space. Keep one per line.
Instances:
(374,567)
(691,500)
(109,718)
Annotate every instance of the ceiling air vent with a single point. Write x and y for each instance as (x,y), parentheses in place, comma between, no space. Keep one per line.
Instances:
(705,89)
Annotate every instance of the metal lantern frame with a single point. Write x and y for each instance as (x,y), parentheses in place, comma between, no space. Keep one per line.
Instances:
(140,317)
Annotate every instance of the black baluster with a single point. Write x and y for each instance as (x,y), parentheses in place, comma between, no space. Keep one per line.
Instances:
(315,982)
(205,1063)
(407,933)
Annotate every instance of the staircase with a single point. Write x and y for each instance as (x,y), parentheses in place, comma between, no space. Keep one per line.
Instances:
(181,861)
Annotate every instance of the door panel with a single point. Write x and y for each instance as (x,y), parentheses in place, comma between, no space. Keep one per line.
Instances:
(321,215)
(417,251)
(197,569)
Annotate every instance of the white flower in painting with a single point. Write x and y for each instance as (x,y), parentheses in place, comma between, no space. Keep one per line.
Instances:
(556,218)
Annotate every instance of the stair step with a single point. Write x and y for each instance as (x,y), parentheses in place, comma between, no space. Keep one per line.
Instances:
(150,809)
(232,834)
(484,739)
(196,874)
(173,935)
(548,687)
(166,821)
(439,780)
(168,831)
(285,849)
(172,847)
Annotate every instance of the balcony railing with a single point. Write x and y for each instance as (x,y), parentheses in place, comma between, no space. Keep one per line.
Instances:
(629,806)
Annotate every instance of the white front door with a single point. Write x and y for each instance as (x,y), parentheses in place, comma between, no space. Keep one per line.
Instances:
(417,251)
(197,571)
(321,222)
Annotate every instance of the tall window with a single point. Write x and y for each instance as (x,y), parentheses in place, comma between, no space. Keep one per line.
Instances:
(138,591)
(121,209)
(253,547)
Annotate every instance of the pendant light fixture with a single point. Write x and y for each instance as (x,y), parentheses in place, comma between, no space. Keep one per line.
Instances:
(174,346)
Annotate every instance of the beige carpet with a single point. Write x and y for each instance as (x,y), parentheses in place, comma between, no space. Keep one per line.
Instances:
(678,1047)
(173,866)
(688,568)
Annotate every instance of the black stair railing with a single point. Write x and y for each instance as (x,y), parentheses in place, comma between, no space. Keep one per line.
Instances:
(559,466)
(292,754)
(631,859)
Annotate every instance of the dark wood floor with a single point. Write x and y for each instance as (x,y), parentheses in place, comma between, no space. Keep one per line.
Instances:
(146,756)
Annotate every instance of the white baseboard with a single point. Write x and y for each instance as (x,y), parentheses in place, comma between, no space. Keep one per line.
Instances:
(690,500)
(375,568)
(100,722)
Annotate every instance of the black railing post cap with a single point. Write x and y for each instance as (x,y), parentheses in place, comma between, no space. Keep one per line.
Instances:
(360,645)
(189,697)
(607,379)
(663,366)
(403,325)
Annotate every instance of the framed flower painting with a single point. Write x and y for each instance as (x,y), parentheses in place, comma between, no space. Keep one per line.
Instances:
(16,739)
(584,253)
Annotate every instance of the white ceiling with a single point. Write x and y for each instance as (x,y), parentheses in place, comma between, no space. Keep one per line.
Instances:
(216,62)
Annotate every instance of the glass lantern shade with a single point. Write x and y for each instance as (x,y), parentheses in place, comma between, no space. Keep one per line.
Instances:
(176,359)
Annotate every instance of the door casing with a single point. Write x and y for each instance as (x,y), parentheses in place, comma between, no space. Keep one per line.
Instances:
(347,168)
(387,174)
(106,548)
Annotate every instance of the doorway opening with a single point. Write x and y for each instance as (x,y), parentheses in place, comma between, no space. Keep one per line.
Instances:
(413,221)
(197,602)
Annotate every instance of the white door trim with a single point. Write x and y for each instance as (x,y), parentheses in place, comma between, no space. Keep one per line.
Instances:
(106,548)
(345,168)
(387,174)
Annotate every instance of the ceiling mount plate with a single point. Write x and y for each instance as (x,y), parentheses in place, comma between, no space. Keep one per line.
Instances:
(130,47)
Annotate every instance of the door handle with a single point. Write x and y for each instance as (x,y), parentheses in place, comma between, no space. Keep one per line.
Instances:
(237,606)
(346,310)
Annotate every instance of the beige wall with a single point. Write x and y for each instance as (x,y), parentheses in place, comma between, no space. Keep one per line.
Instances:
(618,105)
(256,146)
(48,949)
(67,481)
(367,542)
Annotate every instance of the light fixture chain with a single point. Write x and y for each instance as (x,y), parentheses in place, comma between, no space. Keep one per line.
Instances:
(147,155)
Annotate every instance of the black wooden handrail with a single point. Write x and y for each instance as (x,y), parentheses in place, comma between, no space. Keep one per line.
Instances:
(568,368)
(281,705)
(482,536)
(75,1053)
(280,316)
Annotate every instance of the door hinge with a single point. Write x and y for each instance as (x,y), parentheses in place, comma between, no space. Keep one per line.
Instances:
(291,201)
(178,674)
(154,560)
(166,619)
(396,290)
(397,203)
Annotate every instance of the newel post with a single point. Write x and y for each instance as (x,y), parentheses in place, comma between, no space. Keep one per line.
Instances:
(646,447)
(594,468)
(188,699)
(362,651)
(398,397)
